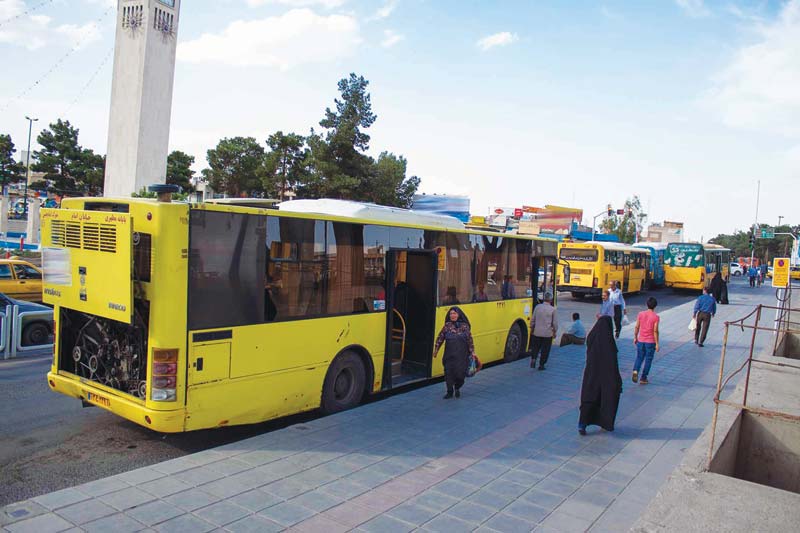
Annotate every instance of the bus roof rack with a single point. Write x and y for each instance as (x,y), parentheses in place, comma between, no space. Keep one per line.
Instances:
(269,203)
(372,212)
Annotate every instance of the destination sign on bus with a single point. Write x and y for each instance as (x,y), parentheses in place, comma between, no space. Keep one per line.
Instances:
(684,255)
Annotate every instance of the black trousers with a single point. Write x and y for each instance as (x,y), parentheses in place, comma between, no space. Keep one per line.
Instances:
(543,345)
(703,322)
(618,318)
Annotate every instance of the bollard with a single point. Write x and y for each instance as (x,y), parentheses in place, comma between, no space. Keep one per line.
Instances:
(21,243)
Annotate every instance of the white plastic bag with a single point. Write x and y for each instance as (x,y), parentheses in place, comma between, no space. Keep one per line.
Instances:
(625,320)
(693,324)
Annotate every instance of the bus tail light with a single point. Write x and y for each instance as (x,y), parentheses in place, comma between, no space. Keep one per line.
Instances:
(594,283)
(164,375)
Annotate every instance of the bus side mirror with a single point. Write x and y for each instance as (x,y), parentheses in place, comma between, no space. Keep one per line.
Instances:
(566,274)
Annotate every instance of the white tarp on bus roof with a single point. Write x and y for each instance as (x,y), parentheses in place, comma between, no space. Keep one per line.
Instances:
(377,213)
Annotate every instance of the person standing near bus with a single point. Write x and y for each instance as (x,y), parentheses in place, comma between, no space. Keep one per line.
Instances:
(456,335)
(618,301)
(645,338)
(606,307)
(705,307)
(544,325)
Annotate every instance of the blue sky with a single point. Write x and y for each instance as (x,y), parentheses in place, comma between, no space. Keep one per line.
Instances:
(686,103)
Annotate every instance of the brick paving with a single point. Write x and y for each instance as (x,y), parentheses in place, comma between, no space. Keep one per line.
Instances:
(505,457)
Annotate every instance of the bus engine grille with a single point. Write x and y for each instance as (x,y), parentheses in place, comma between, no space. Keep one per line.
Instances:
(84,235)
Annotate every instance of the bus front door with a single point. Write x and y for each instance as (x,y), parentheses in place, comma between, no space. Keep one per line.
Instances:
(411,280)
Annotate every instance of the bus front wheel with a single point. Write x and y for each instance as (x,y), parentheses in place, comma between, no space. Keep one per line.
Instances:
(344,383)
(513,344)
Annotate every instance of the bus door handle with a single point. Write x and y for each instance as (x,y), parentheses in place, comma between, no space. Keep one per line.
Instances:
(199,364)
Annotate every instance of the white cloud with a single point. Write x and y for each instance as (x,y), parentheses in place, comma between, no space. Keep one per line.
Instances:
(391,38)
(328,4)
(297,37)
(760,89)
(503,38)
(385,10)
(33,31)
(694,8)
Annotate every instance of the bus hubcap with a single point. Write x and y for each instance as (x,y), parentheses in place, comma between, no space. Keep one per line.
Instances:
(344,384)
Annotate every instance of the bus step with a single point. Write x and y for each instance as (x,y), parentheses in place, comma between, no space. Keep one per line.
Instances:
(397,368)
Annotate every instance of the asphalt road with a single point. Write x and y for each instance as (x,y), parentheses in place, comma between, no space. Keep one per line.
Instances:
(49,442)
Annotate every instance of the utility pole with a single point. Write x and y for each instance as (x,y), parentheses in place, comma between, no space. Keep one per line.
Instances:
(28,162)
(755,223)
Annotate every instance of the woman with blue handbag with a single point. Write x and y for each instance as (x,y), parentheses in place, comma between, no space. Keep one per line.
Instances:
(458,350)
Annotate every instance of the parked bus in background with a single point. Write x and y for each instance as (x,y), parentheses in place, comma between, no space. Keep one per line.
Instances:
(594,265)
(183,316)
(655,276)
(693,265)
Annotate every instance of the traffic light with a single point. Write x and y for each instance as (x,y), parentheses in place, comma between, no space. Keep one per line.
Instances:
(752,241)
(610,211)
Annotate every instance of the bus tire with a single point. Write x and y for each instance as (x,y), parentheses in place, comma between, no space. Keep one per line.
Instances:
(344,383)
(35,334)
(513,344)
(578,295)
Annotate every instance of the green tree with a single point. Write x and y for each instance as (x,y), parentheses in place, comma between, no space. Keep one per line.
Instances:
(388,184)
(10,170)
(628,225)
(179,170)
(236,167)
(765,249)
(285,164)
(67,166)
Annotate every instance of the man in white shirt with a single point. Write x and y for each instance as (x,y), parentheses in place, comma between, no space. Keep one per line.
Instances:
(618,301)
(544,326)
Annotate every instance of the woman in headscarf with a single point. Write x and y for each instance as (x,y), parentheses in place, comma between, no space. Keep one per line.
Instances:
(715,287)
(602,384)
(458,347)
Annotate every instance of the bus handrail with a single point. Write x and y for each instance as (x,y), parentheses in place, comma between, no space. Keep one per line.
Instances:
(403,337)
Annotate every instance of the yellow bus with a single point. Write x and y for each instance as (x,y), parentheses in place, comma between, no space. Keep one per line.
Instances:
(183,316)
(690,265)
(594,265)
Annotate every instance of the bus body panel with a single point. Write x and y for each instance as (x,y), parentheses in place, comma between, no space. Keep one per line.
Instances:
(592,277)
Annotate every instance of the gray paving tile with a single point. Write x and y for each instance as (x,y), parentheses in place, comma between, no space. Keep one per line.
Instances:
(435,500)
(229,467)
(445,523)
(45,523)
(286,488)
(556,487)
(255,500)
(140,475)
(544,499)
(526,511)
(164,486)
(471,512)
(61,498)
(472,477)
(566,523)
(118,523)
(387,524)
(286,513)
(254,524)
(526,479)
(506,488)
(154,513)
(83,512)
(102,486)
(198,476)
(454,488)
(126,498)
(317,500)
(412,513)
(191,499)
(506,523)
(17,512)
(491,499)
(185,524)
(344,488)
(222,513)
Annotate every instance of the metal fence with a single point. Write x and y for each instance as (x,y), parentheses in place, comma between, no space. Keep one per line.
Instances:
(12,325)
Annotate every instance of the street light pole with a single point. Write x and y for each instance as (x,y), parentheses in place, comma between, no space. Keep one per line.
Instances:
(755,224)
(594,219)
(28,162)
(780,217)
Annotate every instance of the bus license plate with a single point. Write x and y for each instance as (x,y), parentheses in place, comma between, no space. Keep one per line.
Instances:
(99,400)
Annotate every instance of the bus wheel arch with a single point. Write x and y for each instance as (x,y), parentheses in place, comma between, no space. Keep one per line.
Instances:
(515,345)
(346,381)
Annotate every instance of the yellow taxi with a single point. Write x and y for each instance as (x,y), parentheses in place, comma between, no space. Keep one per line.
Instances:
(21,280)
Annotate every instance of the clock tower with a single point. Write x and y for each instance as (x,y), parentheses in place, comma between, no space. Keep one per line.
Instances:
(141,95)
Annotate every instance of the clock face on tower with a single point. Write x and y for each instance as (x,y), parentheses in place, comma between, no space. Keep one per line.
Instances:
(170,3)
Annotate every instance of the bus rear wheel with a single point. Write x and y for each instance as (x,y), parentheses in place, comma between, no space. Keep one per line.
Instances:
(578,295)
(344,383)
(513,344)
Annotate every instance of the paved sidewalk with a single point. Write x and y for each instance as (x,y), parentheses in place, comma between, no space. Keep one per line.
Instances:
(505,457)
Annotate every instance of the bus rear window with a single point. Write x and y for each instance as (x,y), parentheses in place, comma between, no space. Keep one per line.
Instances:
(684,255)
(578,254)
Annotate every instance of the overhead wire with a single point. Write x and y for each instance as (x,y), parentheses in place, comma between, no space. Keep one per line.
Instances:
(25,12)
(89,82)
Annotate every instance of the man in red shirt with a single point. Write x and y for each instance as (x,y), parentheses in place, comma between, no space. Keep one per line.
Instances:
(645,337)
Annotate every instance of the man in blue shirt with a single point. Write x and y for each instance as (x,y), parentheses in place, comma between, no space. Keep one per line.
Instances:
(575,332)
(752,272)
(606,306)
(704,308)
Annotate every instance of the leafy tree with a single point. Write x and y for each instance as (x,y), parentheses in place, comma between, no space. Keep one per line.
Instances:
(235,167)
(285,164)
(388,184)
(67,166)
(10,170)
(765,249)
(179,170)
(628,225)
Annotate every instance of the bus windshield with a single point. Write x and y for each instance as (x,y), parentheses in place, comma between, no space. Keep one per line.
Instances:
(578,254)
(684,255)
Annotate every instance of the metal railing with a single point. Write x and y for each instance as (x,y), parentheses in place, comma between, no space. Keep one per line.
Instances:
(13,325)
(783,326)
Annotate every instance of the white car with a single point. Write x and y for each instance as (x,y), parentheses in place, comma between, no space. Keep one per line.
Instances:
(736,269)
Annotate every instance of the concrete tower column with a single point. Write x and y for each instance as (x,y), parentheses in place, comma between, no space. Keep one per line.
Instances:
(141,95)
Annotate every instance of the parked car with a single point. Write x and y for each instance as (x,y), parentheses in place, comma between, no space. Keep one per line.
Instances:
(21,280)
(736,269)
(36,330)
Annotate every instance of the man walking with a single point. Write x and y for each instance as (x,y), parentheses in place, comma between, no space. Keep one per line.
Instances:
(618,301)
(645,338)
(752,274)
(544,325)
(704,308)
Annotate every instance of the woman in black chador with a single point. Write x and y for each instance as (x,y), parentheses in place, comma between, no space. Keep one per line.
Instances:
(458,347)
(715,287)
(602,384)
